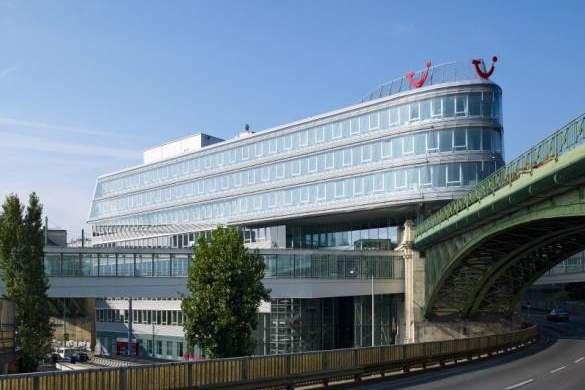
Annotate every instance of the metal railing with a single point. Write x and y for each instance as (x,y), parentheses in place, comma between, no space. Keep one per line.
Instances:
(438,74)
(561,141)
(273,371)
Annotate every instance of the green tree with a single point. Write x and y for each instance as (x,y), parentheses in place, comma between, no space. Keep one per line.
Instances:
(225,285)
(21,260)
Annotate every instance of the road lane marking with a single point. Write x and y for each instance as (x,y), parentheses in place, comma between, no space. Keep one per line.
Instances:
(558,369)
(520,384)
(580,359)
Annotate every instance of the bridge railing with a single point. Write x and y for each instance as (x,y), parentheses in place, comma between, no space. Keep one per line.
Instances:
(561,141)
(275,370)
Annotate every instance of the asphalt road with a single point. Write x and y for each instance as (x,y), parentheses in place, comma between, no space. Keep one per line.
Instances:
(558,363)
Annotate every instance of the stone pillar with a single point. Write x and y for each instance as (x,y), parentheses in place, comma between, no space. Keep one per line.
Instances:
(414,285)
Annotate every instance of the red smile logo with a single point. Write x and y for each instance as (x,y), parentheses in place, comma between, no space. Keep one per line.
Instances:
(480,67)
(423,77)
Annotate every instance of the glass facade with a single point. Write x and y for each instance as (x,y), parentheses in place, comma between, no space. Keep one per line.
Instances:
(440,141)
(284,265)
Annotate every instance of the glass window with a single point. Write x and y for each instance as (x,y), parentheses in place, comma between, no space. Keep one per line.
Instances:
(329,162)
(387,149)
(486,140)
(407,144)
(287,142)
(312,164)
(425,110)
(347,157)
(460,139)
(339,189)
(436,107)
(367,153)
(474,104)
(486,106)
(169,348)
(159,347)
(426,175)
(453,174)
(358,187)
(394,116)
(296,167)
(258,149)
(354,126)
(304,138)
(448,106)
(432,141)
(400,179)
(336,131)
(374,120)
(319,135)
(420,143)
(474,138)
(378,182)
(469,173)
(461,105)
(414,113)
(446,140)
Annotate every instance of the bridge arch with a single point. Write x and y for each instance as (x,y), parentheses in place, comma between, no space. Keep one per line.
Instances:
(486,269)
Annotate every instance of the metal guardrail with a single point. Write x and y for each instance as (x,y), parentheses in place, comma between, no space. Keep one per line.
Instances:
(275,370)
(561,141)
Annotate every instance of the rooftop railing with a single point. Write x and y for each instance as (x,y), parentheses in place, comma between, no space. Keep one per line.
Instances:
(561,141)
(438,74)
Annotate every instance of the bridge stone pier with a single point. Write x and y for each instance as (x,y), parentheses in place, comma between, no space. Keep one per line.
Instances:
(417,327)
(468,265)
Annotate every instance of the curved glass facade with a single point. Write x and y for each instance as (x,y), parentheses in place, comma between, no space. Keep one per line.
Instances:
(438,141)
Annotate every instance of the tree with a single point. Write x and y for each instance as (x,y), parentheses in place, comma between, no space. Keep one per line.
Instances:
(225,285)
(21,260)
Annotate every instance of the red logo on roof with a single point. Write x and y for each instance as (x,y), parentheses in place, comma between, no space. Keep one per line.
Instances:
(423,77)
(480,68)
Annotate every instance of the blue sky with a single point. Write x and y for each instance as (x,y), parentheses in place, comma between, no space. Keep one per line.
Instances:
(86,86)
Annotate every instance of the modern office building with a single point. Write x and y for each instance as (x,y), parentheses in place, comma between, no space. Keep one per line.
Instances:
(333,189)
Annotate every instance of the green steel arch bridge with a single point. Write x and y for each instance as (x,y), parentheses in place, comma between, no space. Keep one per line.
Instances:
(482,251)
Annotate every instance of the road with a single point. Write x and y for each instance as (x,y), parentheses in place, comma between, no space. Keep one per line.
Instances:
(556,364)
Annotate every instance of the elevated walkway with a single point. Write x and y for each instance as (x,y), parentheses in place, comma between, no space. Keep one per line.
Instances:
(162,273)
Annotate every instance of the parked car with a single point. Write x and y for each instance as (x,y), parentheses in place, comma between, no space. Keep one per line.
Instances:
(68,355)
(558,315)
(81,356)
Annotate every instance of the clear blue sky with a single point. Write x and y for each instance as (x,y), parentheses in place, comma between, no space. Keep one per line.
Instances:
(86,85)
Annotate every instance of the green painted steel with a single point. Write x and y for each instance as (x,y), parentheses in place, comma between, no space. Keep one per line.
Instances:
(484,250)
(560,142)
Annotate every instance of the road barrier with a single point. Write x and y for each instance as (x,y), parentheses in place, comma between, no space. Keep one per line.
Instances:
(273,371)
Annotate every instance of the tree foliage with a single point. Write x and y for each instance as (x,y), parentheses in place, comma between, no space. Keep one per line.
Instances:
(225,285)
(26,284)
